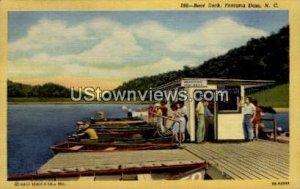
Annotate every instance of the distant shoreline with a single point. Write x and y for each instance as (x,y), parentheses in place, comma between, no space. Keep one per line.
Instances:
(30,101)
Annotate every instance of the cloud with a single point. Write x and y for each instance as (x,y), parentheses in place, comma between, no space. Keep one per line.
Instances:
(48,34)
(106,41)
(105,50)
(153,31)
(24,71)
(164,65)
(215,37)
(113,49)
(25,68)
(114,43)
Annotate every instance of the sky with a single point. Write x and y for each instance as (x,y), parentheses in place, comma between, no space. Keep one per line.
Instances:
(106,48)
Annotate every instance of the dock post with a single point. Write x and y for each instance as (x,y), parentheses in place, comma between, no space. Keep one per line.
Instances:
(274,128)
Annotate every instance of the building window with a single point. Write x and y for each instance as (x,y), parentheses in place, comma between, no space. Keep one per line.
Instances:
(230,105)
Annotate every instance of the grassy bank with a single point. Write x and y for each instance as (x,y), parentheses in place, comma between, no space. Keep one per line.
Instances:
(275,97)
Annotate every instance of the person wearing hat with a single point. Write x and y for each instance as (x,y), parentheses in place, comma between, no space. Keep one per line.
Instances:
(101,115)
(84,129)
(164,110)
(80,123)
(150,113)
(159,119)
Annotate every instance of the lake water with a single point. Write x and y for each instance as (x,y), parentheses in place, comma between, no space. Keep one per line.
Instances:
(32,129)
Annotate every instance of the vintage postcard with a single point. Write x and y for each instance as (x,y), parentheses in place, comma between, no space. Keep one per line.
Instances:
(113,94)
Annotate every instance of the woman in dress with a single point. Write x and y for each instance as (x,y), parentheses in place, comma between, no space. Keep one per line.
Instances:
(178,127)
(257,119)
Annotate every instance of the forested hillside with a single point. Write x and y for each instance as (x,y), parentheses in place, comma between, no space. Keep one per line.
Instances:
(263,58)
(47,90)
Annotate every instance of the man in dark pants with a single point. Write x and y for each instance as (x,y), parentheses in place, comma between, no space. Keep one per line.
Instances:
(249,114)
(209,117)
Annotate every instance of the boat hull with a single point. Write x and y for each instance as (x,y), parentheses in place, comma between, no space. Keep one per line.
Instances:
(166,143)
(171,172)
(117,122)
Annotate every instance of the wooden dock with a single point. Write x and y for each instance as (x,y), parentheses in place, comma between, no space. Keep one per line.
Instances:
(82,161)
(246,160)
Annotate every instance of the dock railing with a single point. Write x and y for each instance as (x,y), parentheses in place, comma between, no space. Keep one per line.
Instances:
(164,125)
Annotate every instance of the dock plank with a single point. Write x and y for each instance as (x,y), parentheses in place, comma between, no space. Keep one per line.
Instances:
(271,162)
(253,160)
(265,165)
(246,170)
(218,163)
(250,154)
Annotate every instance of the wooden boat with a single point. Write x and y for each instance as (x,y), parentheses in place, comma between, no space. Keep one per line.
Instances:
(176,171)
(124,132)
(111,147)
(117,122)
(108,134)
(108,137)
(113,136)
(123,127)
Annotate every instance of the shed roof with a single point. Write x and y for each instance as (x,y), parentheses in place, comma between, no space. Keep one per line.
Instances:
(218,81)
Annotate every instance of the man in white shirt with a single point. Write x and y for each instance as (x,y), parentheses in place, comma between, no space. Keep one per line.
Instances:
(200,133)
(249,114)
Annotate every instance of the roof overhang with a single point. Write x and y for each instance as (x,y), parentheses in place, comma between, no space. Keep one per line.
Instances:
(198,82)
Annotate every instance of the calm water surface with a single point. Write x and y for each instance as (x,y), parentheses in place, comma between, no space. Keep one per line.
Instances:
(33,128)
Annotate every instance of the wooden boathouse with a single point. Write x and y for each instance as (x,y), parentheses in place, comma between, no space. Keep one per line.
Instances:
(228,116)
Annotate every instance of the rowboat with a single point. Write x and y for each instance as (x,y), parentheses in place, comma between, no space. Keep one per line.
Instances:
(109,133)
(110,147)
(108,137)
(185,170)
(118,122)
(126,133)
(123,127)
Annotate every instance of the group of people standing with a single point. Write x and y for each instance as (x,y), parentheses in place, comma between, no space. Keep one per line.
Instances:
(178,116)
(160,113)
(179,119)
(252,118)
